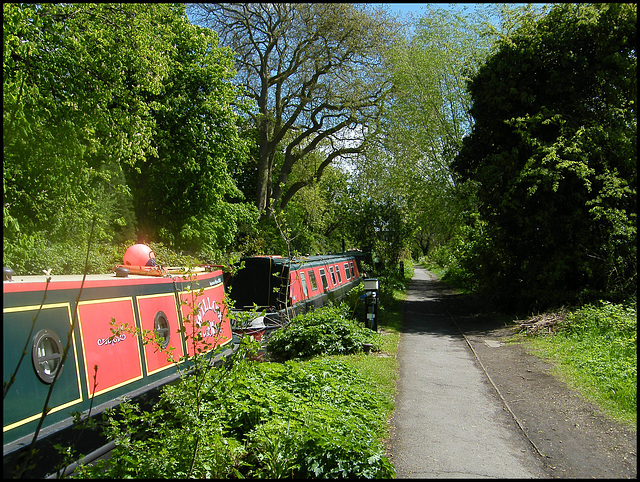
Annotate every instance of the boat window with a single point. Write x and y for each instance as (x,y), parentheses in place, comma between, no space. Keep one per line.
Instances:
(312,279)
(323,277)
(304,283)
(353,271)
(338,274)
(161,327)
(346,270)
(46,355)
(333,275)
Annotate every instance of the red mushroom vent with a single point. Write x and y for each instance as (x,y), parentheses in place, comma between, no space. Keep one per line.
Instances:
(139,255)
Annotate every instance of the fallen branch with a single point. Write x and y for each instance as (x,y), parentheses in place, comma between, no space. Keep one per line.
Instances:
(545,322)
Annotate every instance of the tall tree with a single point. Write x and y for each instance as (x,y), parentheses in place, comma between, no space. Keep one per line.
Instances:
(553,151)
(315,73)
(185,194)
(428,116)
(111,107)
(73,111)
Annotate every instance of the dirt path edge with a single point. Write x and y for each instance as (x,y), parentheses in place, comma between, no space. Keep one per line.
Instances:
(576,438)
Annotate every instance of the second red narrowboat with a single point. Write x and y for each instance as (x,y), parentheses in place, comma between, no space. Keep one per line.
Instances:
(283,288)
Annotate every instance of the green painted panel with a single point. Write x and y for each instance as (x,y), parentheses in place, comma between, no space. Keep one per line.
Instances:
(26,396)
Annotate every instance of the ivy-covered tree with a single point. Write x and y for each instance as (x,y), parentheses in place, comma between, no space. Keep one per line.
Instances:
(553,153)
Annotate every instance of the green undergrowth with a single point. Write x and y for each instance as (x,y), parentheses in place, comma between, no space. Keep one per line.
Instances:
(594,350)
(321,411)
(319,418)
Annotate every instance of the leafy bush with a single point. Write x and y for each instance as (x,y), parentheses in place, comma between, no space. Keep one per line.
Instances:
(168,257)
(314,419)
(607,337)
(33,253)
(559,197)
(465,255)
(327,330)
(608,319)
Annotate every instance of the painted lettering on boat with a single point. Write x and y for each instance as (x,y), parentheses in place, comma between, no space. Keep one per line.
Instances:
(205,306)
(111,340)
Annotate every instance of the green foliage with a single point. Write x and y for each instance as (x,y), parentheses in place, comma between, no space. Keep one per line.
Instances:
(178,437)
(454,260)
(263,238)
(33,253)
(379,225)
(325,416)
(553,156)
(596,349)
(65,148)
(122,112)
(607,319)
(312,419)
(153,444)
(317,213)
(426,119)
(186,194)
(611,332)
(328,330)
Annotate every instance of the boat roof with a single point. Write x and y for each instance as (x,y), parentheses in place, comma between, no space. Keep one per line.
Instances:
(31,282)
(304,261)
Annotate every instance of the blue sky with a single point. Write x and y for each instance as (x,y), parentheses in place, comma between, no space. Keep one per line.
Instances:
(417,8)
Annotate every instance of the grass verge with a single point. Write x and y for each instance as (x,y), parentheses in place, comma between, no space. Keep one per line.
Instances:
(594,350)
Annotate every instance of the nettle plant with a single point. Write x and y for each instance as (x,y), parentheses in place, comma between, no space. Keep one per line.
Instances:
(307,419)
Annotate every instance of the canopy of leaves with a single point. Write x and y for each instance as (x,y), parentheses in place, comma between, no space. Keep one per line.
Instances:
(73,113)
(116,112)
(553,153)
(186,194)
(427,115)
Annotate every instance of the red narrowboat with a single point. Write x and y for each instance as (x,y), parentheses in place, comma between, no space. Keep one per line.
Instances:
(45,314)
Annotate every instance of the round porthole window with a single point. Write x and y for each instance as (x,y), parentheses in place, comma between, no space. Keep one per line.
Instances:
(161,327)
(46,355)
